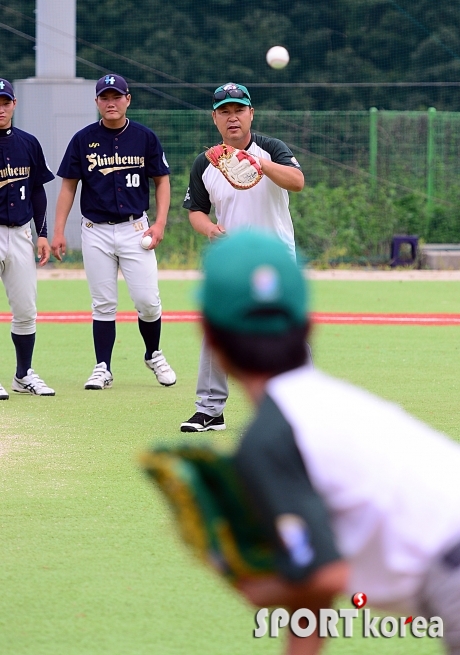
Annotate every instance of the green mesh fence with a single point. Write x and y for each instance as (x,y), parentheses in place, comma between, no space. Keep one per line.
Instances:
(334,147)
(369,174)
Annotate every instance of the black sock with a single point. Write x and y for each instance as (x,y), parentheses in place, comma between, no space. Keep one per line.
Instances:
(151,334)
(104,340)
(24,344)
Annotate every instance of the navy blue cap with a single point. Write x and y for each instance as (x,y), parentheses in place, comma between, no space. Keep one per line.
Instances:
(6,89)
(114,82)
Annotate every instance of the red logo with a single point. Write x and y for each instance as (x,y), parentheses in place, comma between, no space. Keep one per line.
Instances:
(359,600)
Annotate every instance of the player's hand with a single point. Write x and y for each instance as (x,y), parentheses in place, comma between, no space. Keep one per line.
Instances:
(264,591)
(215,231)
(43,250)
(317,590)
(58,247)
(157,233)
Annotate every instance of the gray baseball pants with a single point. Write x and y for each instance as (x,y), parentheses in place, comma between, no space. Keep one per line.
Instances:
(212,385)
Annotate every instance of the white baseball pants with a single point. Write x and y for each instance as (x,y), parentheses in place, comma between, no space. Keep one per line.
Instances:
(19,276)
(108,247)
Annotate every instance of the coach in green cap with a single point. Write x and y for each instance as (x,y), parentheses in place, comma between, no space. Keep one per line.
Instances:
(245,181)
(355,494)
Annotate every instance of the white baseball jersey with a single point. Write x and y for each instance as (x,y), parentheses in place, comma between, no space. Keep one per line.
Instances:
(265,206)
(371,483)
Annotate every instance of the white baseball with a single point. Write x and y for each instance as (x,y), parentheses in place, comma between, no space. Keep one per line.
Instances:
(277,57)
(146,241)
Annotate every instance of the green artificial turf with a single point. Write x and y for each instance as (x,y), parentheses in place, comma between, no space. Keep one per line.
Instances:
(326,296)
(386,297)
(90,561)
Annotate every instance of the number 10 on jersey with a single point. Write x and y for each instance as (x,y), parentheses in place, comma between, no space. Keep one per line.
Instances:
(133,180)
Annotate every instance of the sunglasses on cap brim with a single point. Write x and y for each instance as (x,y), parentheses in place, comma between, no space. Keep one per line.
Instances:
(230,93)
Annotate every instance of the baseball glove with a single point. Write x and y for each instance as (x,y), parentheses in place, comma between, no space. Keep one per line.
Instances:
(213,514)
(241,169)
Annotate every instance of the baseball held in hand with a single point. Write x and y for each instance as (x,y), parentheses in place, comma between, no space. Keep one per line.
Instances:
(146,241)
(277,57)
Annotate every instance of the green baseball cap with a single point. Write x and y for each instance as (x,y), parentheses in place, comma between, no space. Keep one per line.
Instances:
(231,92)
(252,285)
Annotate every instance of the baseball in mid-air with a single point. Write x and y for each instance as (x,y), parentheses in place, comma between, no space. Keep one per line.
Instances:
(277,57)
(146,241)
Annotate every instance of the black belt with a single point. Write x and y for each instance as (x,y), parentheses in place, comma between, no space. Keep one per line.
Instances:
(133,217)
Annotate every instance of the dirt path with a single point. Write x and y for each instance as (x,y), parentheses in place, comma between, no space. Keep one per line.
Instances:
(333,274)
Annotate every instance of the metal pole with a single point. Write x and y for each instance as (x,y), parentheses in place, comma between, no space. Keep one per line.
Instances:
(373,144)
(430,148)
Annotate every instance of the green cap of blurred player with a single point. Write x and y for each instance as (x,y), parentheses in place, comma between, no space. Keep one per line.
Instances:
(252,285)
(231,92)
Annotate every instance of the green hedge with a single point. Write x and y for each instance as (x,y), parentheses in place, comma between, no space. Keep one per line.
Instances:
(351,225)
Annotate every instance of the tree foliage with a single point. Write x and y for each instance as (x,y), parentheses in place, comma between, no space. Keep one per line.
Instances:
(202,44)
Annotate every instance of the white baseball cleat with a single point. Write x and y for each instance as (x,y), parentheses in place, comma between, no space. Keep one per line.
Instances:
(100,378)
(161,368)
(4,395)
(32,384)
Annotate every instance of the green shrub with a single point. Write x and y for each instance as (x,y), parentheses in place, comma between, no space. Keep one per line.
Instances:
(333,225)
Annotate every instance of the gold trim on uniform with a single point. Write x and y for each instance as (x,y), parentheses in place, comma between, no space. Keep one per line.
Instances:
(12,179)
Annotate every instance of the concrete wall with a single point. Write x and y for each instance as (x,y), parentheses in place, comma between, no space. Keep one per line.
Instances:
(53,110)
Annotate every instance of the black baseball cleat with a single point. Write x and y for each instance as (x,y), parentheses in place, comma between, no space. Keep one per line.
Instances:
(200,422)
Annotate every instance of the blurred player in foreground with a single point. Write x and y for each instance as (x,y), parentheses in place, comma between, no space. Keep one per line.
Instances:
(262,204)
(355,494)
(114,159)
(23,172)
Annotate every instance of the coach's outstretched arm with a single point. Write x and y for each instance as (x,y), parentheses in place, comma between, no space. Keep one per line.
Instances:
(63,207)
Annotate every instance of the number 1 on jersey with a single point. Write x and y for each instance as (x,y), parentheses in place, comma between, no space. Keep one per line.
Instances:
(23,192)
(133,180)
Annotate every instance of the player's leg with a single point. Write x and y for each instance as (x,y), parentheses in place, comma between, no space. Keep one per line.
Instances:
(139,268)
(212,392)
(4,395)
(101,267)
(20,279)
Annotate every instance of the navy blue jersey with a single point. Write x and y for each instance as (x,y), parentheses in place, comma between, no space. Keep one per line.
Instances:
(23,170)
(114,167)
